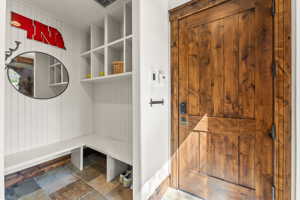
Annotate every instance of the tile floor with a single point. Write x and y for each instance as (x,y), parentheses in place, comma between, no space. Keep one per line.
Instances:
(173,194)
(68,183)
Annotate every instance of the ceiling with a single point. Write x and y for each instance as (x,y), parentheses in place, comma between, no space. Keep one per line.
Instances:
(74,11)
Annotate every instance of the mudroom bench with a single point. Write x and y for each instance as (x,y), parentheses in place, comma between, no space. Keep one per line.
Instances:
(118,154)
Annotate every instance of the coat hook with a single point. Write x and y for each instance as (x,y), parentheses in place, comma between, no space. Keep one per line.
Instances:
(11,50)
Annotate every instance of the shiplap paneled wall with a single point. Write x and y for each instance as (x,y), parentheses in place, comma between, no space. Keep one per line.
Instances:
(32,123)
(113,110)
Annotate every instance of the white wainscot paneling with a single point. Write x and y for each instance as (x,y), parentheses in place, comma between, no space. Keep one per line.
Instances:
(32,123)
(113,110)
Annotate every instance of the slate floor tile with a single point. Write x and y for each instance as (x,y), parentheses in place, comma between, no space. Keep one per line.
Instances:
(102,186)
(37,195)
(94,195)
(24,188)
(68,183)
(90,172)
(56,179)
(120,193)
(74,191)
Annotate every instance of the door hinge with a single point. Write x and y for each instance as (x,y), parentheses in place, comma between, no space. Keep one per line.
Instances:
(273,193)
(273,132)
(274,69)
(273,8)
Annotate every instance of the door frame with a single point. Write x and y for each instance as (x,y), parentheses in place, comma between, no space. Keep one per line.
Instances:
(2,92)
(283,90)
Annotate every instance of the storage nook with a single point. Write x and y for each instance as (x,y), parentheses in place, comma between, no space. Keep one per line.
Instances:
(108,42)
(90,68)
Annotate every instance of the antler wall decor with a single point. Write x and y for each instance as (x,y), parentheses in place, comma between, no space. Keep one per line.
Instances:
(10,52)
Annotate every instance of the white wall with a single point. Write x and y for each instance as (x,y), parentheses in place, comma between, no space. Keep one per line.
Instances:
(112,105)
(2,92)
(154,121)
(31,123)
(175,3)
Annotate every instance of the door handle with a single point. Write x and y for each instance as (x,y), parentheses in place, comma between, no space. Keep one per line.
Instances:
(182,108)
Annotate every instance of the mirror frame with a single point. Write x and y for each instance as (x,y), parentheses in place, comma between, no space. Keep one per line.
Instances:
(8,78)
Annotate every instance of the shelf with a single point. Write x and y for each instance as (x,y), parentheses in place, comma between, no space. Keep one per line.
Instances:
(58,84)
(108,41)
(129,37)
(85,54)
(116,42)
(108,78)
(98,48)
(56,64)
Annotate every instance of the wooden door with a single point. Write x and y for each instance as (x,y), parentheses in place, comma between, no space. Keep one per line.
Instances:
(226,85)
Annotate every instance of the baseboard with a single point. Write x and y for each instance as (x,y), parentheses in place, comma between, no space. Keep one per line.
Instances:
(161,190)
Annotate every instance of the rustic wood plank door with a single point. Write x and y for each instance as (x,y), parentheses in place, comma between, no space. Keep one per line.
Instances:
(226,84)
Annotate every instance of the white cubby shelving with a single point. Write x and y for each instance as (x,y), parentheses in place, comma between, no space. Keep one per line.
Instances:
(58,75)
(115,52)
(128,54)
(86,69)
(98,60)
(108,41)
(128,18)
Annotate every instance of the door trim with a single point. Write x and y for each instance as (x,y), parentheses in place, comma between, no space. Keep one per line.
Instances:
(2,92)
(283,90)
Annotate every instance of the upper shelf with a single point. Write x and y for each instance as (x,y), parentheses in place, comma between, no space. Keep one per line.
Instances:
(109,42)
(117,25)
(87,53)
(121,76)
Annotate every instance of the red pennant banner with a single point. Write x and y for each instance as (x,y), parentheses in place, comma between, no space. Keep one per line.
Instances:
(38,31)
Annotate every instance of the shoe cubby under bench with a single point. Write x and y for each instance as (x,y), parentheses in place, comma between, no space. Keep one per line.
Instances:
(118,155)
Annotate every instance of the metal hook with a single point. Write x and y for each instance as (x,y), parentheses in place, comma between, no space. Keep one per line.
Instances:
(11,50)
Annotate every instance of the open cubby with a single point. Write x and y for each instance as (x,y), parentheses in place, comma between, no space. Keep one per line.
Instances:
(51,75)
(115,52)
(107,41)
(58,74)
(128,18)
(115,29)
(97,35)
(86,66)
(98,65)
(128,55)
(65,75)
(86,44)
(115,24)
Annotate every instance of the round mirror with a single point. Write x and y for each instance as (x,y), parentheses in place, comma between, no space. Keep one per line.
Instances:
(38,75)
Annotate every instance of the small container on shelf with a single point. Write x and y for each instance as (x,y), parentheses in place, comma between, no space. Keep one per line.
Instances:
(101,73)
(117,67)
(88,76)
